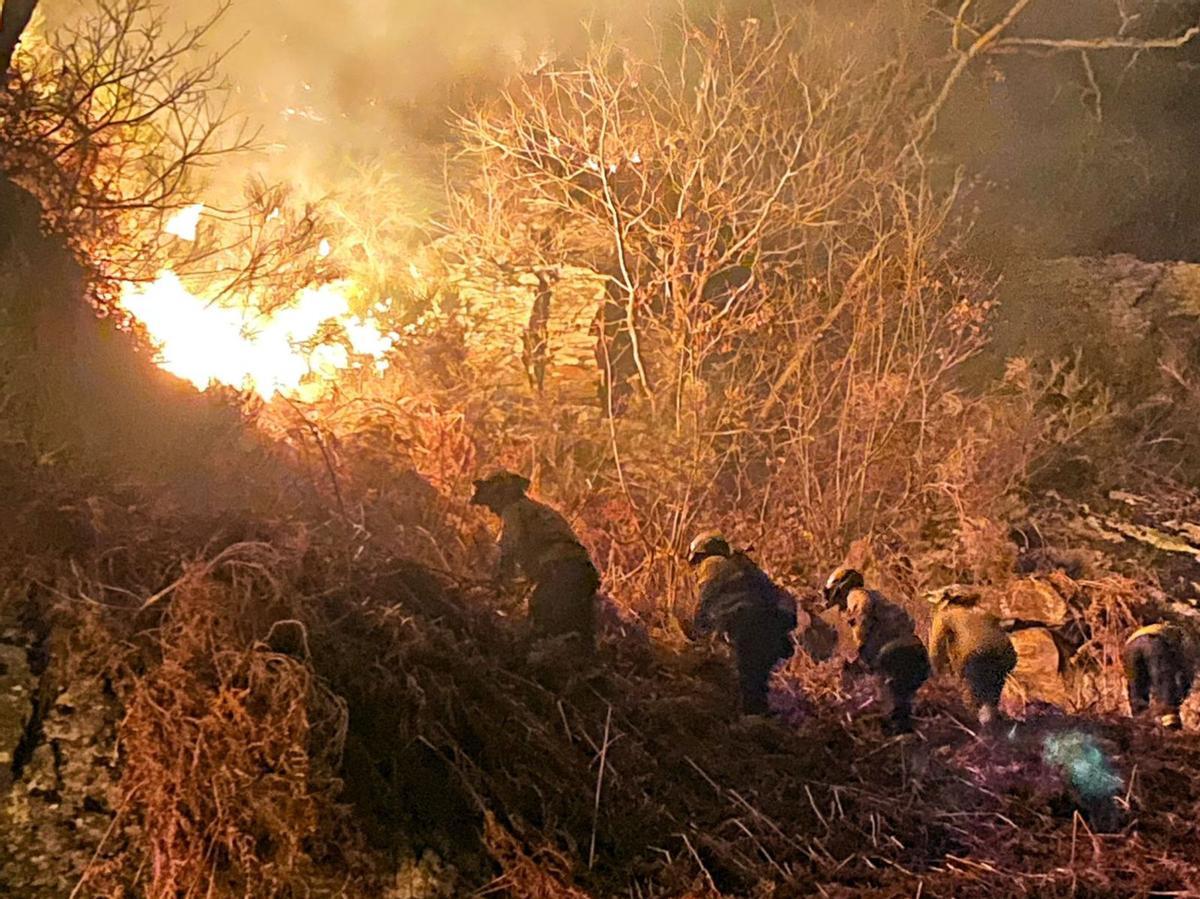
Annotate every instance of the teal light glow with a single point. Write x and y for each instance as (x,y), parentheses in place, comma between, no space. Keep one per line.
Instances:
(1083,762)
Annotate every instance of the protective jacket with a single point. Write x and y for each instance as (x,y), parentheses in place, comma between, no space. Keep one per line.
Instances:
(887,644)
(738,600)
(875,622)
(1160,665)
(960,633)
(735,594)
(533,536)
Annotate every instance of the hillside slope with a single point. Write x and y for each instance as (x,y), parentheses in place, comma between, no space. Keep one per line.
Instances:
(212,683)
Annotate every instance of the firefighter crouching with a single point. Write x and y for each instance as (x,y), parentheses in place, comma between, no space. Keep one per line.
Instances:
(885,641)
(739,601)
(1160,667)
(968,642)
(537,541)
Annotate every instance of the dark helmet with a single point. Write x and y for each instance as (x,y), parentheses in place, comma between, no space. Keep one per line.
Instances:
(840,583)
(710,543)
(499,490)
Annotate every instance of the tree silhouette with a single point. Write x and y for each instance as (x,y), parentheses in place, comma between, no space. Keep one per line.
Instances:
(14,18)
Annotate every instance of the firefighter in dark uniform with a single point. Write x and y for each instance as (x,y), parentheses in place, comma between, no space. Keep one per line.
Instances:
(739,601)
(968,642)
(1160,667)
(537,541)
(885,641)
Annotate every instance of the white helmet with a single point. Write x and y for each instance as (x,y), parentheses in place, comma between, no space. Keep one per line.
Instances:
(710,543)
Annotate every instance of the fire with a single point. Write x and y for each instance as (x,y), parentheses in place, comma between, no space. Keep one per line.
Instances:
(206,341)
(183,223)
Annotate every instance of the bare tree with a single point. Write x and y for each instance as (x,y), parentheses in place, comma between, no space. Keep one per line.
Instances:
(785,278)
(976,34)
(787,288)
(113,122)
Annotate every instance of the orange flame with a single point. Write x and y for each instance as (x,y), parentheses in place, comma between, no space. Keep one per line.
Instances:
(208,342)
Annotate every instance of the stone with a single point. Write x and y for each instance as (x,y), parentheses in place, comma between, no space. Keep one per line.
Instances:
(16,706)
(1032,599)
(1039,666)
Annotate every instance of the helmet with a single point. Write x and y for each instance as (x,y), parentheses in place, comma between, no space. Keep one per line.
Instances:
(710,543)
(499,489)
(840,583)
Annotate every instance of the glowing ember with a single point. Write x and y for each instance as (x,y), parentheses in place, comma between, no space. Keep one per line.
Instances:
(207,342)
(183,223)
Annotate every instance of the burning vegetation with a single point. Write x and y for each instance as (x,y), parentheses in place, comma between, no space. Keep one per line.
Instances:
(767,269)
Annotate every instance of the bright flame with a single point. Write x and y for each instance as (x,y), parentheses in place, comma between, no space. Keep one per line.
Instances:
(243,347)
(183,223)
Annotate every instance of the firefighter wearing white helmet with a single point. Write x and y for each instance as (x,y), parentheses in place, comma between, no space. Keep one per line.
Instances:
(739,601)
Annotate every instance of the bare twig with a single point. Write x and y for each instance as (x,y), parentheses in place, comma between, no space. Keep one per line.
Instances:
(599,788)
(924,125)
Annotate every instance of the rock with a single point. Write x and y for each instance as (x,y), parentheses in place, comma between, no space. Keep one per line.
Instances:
(1066,585)
(16,706)
(1039,666)
(528,332)
(61,808)
(1031,599)
(1133,327)
(425,878)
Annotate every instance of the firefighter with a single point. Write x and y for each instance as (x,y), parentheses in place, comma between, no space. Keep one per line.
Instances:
(1159,666)
(739,601)
(537,541)
(968,642)
(885,641)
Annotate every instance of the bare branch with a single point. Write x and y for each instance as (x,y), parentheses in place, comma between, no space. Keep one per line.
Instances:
(925,123)
(1115,42)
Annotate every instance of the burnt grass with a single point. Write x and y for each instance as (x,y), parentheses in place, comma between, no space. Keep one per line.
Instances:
(696,800)
(302,710)
(395,712)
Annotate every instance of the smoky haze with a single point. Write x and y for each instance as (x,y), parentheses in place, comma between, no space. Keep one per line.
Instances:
(1066,156)
(1084,154)
(1072,157)
(333,84)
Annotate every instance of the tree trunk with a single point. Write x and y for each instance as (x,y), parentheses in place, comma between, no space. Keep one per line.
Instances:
(14,18)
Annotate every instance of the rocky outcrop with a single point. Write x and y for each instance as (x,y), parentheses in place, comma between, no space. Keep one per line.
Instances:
(57,757)
(16,707)
(1040,666)
(1136,325)
(58,746)
(57,818)
(527,332)
(1032,599)
(1133,326)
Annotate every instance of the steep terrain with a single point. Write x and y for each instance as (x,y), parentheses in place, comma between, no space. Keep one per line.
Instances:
(213,681)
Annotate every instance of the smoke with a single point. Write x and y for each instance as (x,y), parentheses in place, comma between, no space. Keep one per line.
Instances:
(1068,154)
(1077,155)
(336,85)
(1084,153)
